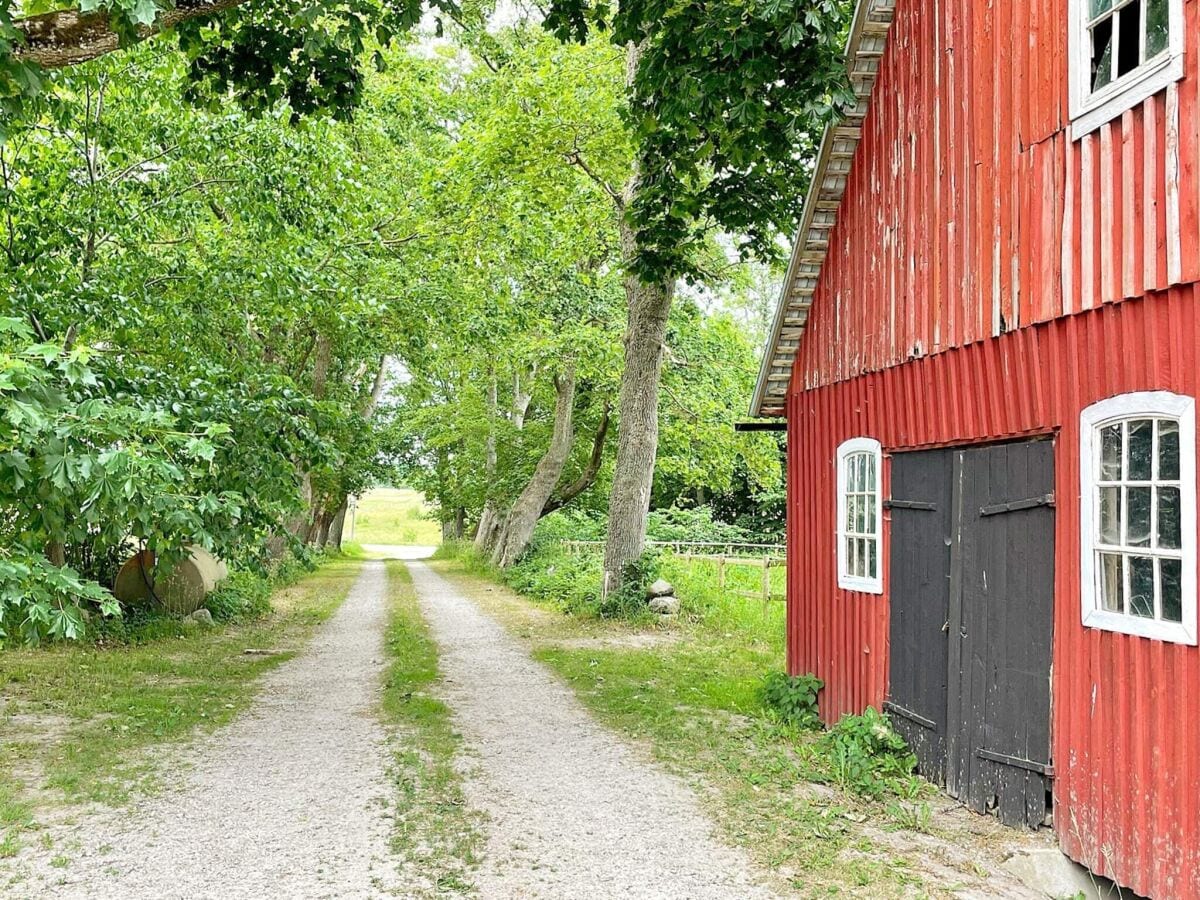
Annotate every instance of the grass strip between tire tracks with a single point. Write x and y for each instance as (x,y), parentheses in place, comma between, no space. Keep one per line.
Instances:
(438,836)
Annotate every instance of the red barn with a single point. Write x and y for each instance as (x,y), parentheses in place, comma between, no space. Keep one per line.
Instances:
(986,352)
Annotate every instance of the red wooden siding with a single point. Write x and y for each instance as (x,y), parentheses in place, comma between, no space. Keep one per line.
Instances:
(969,211)
(1126,740)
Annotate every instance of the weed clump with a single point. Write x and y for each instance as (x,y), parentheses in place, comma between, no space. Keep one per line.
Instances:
(793,698)
(869,758)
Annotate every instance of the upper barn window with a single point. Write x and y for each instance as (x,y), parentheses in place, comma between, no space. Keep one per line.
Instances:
(1122,51)
(1138,521)
(860,519)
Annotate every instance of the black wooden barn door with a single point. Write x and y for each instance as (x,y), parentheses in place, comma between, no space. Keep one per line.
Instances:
(972,591)
(1003,575)
(920,605)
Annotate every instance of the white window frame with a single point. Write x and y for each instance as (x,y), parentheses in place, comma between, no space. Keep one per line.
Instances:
(1147,404)
(1090,110)
(846,581)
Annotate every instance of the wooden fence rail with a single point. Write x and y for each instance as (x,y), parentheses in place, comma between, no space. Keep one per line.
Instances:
(752,556)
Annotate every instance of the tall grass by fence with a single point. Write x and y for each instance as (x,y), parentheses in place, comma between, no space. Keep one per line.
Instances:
(754,571)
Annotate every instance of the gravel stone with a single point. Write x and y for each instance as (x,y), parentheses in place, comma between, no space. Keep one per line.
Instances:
(288,801)
(575,811)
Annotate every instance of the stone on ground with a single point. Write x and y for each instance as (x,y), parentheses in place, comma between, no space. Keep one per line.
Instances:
(665,606)
(660,588)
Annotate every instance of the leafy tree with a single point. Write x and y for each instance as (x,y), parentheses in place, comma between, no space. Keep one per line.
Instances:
(200,307)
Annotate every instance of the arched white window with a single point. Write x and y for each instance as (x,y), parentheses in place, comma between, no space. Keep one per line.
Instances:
(860,515)
(1138,515)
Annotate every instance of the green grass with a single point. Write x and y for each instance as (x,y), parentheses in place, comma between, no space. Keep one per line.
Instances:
(436,833)
(395,516)
(690,692)
(75,718)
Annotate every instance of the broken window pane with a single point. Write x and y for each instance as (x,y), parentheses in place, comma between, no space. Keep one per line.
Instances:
(1172,590)
(1169,532)
(1141,443)
(1141,586)
(1102,54)
(1158,27)
(1137,523)
(1129,38)
(1168,450)
(1110,515)
(1110,452)
(1112,582)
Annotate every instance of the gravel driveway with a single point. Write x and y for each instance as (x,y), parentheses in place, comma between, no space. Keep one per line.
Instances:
(288,801)
(575,812)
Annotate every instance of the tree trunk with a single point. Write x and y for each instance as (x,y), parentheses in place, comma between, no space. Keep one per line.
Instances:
(323,526)
(528,509)
(522,397)
(637,443)
(489,526)
(485,534)
(338,525)
(56,552)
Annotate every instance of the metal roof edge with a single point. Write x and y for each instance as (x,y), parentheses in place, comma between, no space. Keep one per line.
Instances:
(864,48)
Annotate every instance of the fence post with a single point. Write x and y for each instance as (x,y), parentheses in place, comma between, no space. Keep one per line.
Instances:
(721,573)
(766,584)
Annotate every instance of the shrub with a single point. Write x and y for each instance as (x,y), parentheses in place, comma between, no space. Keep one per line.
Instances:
(693,526)
(793,697)
(629,601)
(869,757)
(244,595)
(569,525)
(549,573)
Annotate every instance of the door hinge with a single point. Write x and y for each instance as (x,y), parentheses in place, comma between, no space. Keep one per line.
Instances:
(896,709)
(997,509)
(909,504)
(1016,761)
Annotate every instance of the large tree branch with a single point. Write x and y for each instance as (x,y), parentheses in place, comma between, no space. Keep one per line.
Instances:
(67,37)
(588,476)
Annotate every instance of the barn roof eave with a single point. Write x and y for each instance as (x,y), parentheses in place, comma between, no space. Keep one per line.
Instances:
(864,49)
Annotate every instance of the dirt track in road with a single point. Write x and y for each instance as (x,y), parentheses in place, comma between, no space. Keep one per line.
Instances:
(575,811)
(288,801)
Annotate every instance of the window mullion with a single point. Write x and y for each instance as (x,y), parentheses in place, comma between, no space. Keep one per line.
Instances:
(1115,56)
(1157,589)
(1125,586)
(1154,489)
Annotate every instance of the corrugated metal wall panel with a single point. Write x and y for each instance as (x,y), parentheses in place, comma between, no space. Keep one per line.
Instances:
(1127,746)
(969,211)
